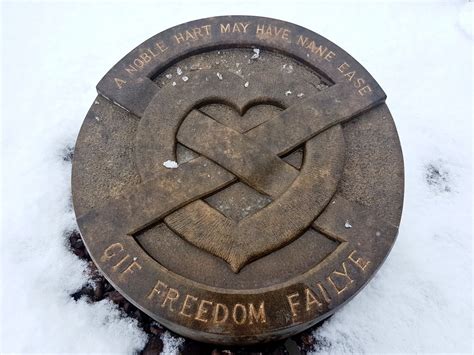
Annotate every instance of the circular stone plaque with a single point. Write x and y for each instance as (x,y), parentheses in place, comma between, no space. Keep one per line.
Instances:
(238,178)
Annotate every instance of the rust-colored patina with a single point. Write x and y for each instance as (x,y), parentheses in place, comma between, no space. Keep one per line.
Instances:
(288,189)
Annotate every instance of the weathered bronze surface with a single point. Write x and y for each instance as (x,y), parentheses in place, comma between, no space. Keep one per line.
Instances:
(289,186)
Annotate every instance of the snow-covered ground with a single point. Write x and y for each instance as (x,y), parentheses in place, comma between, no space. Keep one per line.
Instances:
(54,53)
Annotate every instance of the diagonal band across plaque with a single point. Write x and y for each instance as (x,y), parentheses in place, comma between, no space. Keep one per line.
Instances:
(299,196)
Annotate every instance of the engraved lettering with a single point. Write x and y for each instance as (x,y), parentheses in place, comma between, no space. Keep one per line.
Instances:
(301,41)
(329,56)
(235,27)
(342,68)
(131,69)
(311,299)
(221,313)
(239,319)
(319,50)
(359,262)
(134,266)
(186,305)
(292,303)
(123,260)
(350,75)
(358,82)
(244,26)
(324,293)
(225,28)
(202,310)
(111,251)
(197,32)
(179,37)
(156,290)
(161,46)
(257,316)
(345,277)
(193,34)
(119,82)
(171,296)
(267,31)
(366,89)
(144,58)
(138,63)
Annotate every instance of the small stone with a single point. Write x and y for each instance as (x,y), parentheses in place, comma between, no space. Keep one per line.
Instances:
(287,68)
(86,291)
(300,95)
(246,84)
(170,164)
(185,78)
(179,71)
(219,75)
(173,83)
(169,76)
(256,53)
(98,291)
(306,342)
(288,93)
(347,225)
(153,347)
(78,244)
(115,296)
(156,328)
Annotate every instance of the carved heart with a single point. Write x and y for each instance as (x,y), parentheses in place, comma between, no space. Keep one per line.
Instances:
(298,197)
(252,156)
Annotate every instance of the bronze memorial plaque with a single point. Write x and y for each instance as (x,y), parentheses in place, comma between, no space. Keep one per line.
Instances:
(238,178)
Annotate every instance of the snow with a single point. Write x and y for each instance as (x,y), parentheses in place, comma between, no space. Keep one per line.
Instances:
(170,164)
(256,53)
(171,344)
(54,53)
